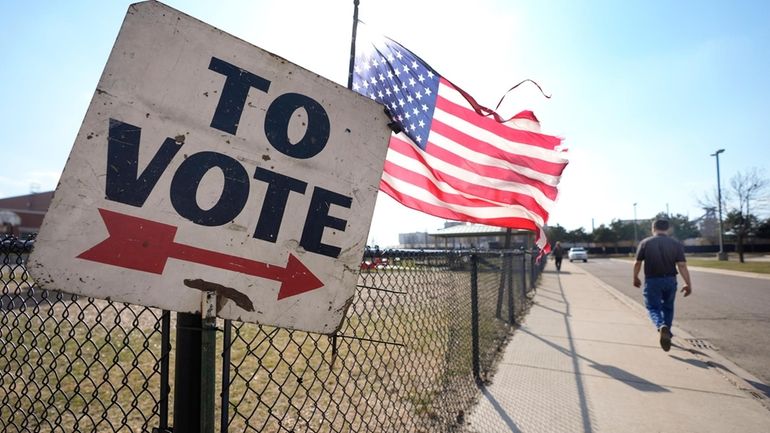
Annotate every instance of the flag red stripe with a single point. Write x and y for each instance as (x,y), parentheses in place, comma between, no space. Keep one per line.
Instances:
(526,114)
(491,171)
(427,184)
(491,194)
(443,212)
(421,185)
(517,135)
(545,167)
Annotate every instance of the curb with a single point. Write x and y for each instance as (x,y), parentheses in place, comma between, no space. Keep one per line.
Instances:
(733,373)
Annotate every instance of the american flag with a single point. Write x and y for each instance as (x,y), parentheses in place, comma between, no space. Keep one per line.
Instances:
(454,158)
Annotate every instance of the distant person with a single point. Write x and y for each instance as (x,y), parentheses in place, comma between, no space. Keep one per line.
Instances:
(558,254)
(662,256)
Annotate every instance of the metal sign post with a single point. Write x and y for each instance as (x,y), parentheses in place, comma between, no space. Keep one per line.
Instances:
(208,360)
(187,373)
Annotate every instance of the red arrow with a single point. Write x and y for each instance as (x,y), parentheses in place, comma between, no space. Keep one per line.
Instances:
(145,245)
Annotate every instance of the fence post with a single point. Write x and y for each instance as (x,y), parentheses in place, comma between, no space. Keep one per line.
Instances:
(165,350)
(533,275)
(524,272)
(501,289)
(475,316)
(225,401)
(524,289)
(208,361)
(511,290)
(187,373)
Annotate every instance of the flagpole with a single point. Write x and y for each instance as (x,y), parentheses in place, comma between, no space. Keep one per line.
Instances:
(333,337)
(353,44)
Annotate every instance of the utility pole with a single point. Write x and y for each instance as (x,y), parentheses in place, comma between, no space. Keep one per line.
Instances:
(722,255)
(635,227)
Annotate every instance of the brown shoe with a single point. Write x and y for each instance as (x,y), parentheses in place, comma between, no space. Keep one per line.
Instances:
(665,338)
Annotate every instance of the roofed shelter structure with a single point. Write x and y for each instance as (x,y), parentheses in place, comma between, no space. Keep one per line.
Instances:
(466,236)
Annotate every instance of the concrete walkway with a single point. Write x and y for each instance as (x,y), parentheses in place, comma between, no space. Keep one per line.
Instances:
(587,359)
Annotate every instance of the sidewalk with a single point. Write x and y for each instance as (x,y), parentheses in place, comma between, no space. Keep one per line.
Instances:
(588,360)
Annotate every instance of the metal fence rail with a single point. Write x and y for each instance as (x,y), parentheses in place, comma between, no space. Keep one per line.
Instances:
(424,329)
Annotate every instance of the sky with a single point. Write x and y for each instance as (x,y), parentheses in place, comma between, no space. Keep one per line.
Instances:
(643,92)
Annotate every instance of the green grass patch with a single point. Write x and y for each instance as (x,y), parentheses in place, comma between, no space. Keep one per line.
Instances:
(731,265)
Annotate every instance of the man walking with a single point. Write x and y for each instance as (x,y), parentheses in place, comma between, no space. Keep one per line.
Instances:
(558,254)
(662,256)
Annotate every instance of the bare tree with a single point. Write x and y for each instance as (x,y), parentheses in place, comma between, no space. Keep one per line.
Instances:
(747,192)
(747,187)
(710,200)
(709,223)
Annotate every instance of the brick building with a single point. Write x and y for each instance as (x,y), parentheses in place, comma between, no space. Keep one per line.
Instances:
(23,215)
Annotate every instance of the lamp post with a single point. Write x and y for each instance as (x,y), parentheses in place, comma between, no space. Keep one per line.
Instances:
(722,255)
(635,227)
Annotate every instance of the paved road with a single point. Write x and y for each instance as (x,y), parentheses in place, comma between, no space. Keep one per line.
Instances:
(730,312)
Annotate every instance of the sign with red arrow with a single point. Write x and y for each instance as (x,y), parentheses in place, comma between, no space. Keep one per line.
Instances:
(144,245)
(207,164)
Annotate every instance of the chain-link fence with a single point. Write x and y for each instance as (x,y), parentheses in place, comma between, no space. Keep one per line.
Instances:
(423,330)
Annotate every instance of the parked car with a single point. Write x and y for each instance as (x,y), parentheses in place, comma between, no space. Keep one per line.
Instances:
(12,244)
(577,253)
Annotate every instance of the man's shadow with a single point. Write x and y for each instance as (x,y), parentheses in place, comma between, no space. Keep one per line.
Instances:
(759,386)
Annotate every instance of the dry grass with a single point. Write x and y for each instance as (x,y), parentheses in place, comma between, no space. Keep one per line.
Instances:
(403,363)
(62,373)
(733,264)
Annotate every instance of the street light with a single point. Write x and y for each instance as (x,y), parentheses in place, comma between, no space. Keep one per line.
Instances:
(635,224)
(721,255)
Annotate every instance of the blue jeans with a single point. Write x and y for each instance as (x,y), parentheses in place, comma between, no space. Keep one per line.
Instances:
(659,296)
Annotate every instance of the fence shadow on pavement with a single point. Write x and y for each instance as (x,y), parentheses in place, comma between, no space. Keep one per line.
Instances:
(539,386)
(543,378)
(510,423)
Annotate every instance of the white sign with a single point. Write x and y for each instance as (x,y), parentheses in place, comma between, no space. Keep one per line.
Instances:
(207,164)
